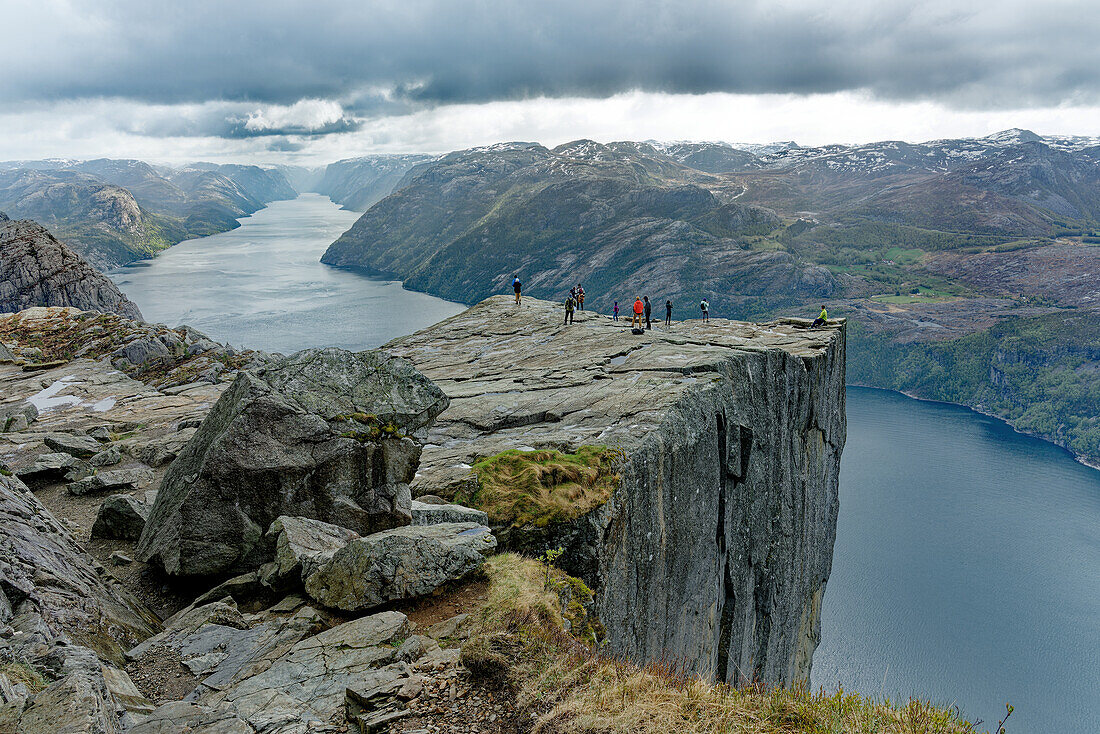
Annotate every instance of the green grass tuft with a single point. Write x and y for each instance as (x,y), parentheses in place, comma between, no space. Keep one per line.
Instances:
(542,487)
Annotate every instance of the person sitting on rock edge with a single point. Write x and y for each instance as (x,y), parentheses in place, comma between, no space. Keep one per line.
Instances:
(823,318)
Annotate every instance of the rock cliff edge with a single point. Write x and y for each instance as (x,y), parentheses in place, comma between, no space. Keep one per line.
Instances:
(715,547)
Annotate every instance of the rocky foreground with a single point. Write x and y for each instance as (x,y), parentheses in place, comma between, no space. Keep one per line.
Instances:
(201,539)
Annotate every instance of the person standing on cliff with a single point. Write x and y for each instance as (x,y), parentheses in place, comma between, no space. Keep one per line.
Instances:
(648,311)
(580,296)
(705,308)
(638,308)
(615,311)
(517,286)
(668,312)
(569,306)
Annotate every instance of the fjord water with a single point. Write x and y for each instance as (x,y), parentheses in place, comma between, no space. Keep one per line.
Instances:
(967,561)
(966,568)
(262,285)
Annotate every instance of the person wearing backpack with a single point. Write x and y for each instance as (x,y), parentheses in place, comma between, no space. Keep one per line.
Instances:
(705,308)
(569,307)
(517,285)
(639,307)
(668,312)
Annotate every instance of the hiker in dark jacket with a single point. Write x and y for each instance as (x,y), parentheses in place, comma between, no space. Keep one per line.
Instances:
(668,312)
(570,304)
(648,310)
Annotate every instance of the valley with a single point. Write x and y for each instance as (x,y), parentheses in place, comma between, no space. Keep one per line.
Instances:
(962,263)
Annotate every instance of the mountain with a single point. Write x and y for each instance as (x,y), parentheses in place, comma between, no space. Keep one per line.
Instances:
(37,270)
(116,211)
(616,217)
(953,257)
(101,221)
(358,183)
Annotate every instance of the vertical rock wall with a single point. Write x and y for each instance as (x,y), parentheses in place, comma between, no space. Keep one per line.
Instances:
(719,541)
(714,550)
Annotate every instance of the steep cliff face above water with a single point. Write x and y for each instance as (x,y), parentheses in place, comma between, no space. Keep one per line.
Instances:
(38,270)
(716,544)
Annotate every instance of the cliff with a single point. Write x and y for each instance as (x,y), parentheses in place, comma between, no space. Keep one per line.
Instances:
(38,270)
(715,546)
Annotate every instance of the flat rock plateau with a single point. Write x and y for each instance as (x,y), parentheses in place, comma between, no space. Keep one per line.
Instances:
(716,547)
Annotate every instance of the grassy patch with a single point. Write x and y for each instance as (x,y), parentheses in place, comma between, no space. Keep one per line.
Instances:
(25,674)
(572,687)
(542,487)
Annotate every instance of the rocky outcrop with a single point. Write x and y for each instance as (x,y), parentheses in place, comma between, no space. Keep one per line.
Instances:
(174,360)
(64,622)
(716,545)
(47,578)
(120,516)
(38,270)
(403,563)
(324,434)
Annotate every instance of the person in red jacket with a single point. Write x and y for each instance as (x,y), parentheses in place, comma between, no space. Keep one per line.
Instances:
(639,307)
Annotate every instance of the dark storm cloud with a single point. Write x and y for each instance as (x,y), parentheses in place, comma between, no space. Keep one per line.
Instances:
(379,58)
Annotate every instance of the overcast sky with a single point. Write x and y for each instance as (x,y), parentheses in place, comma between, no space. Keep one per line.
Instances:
(316,81)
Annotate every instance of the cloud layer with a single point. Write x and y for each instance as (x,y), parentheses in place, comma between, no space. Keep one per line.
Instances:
(291,71)
(373,55)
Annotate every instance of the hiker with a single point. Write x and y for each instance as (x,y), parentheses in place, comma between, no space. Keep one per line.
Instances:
(517,285)
(823,318)
(573,293)
(638,308)
(569,306)
(705,308)
(668,312)
(648,310)
(580,296)
(615,311)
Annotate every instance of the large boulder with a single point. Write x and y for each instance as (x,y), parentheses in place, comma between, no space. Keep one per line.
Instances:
(402,563)
(78,445)
(121,517)
(433,513)
(303,545)
(116,481)
(52,467)
(324,434)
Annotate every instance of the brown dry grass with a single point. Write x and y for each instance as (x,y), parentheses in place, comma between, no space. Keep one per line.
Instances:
(574,688)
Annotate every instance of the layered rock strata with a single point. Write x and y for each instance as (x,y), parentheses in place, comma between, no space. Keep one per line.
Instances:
(715,548)
(38,270)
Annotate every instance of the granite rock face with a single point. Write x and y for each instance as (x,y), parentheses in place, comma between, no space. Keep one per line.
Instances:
(717,544)
(63,617)
(38,270)
(324,434)
(120,516)
(402,563)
